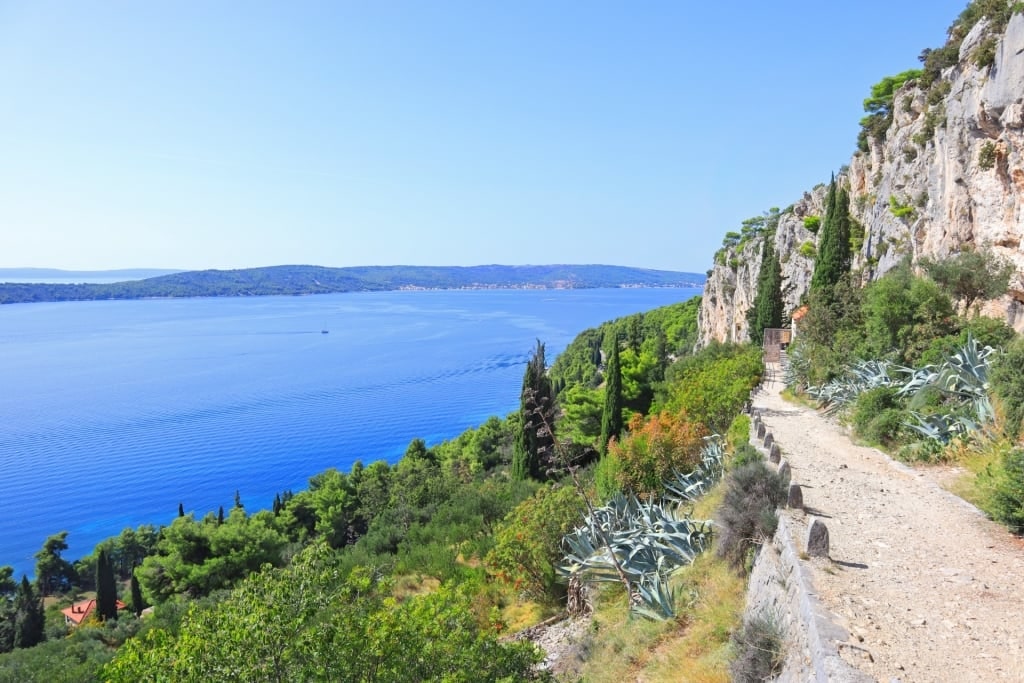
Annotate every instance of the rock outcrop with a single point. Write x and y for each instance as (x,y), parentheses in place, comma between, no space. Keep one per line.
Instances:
(952,160)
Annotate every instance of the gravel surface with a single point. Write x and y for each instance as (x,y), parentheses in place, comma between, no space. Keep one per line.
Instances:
(928,589)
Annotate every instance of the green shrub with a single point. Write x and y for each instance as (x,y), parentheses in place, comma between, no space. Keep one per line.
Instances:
(988,331)
(712,386)
(888,428)
(747,515)
(1007,378)
(760,651)
(744,455)
(870,404)
(938,92)
(902,314)
(527,544)
(987,156)
(608,477)
(900,210)
(812,223)
(739,432)
(985,54)
(878,418)
(856,235)
(1006,503)
(807,250)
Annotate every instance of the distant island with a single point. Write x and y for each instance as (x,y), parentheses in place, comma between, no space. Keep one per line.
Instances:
(301,280)
(55,274)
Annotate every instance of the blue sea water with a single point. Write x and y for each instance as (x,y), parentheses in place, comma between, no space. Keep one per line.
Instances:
(113,412)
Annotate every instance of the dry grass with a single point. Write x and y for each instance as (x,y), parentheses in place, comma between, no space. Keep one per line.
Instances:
(411,585)
(975,460)
(519,615)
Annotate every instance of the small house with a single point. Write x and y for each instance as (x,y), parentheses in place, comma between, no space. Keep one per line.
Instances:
(80,611)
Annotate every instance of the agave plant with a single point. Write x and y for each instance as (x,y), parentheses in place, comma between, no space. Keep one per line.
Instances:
(644,542)
(860,377)
(963,379)
(687,488)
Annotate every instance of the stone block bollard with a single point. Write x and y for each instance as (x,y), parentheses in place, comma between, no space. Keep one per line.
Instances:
(774,453)
(769,440)
(784,472)
(817,538)
(796,497)
(761,430)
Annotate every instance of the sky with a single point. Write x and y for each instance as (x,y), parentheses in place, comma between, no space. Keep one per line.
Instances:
(235,134)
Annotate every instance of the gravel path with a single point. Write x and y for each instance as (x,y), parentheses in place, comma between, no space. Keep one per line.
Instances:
(928,589)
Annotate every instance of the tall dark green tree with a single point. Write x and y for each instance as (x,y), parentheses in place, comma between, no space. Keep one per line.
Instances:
(833,260)
(106,588)
(767,310)
(29,619)
(843,227)
(611,418)
(138,603)
(535,437)
(8,591)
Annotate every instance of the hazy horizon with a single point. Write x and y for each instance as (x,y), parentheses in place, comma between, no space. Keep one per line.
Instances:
(455,132)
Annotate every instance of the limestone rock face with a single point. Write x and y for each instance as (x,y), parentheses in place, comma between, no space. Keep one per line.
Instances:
(730,288)
(954,155)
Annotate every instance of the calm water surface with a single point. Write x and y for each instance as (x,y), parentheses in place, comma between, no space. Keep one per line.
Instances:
(113,412)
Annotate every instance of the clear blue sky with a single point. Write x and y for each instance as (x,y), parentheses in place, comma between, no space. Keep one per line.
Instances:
(237,134)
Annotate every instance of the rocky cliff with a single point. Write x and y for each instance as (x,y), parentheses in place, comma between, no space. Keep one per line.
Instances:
(951,165)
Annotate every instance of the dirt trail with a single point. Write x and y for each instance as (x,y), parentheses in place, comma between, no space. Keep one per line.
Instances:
(928,588)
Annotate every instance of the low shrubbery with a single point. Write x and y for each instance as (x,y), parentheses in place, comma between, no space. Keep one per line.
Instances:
(760,650)
(747,515)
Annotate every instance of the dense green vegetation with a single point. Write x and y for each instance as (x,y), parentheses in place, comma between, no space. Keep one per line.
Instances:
(418,566)
(295,280)
(913,376)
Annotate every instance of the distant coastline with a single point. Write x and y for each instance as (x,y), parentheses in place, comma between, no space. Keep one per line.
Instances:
(305,280)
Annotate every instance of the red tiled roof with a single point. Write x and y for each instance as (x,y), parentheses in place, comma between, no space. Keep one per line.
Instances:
(80,611)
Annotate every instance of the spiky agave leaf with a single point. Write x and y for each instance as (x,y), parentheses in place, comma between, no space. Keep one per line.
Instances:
(646,540)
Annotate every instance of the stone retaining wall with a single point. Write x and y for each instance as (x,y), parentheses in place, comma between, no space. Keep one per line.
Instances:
(780,589)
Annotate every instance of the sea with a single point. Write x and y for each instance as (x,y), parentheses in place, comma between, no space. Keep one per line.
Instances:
(114,412)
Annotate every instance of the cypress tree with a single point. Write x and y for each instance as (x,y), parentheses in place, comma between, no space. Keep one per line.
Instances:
(843,230)
(766,311)
(833,260)
(137,601)
(28,616)
(220,515)
(611,417)
(106,588)
(238,500)
(535,436)
(181,510)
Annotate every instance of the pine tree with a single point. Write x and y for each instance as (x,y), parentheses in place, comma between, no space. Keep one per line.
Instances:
(611,417)
(106,588)
(137,600)
(29,619)
(534,438)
